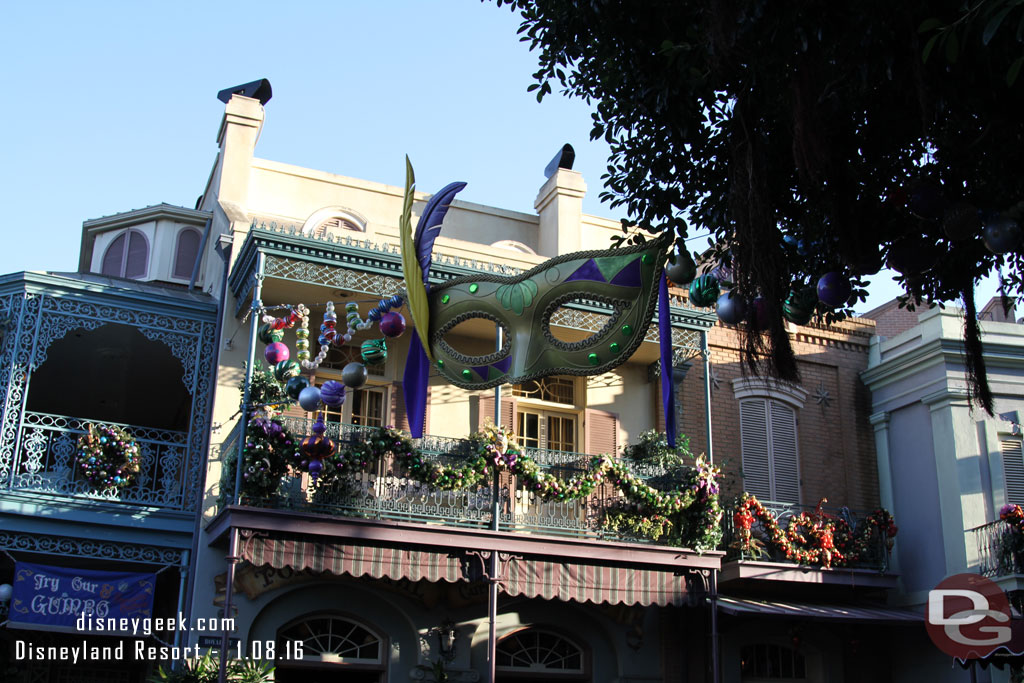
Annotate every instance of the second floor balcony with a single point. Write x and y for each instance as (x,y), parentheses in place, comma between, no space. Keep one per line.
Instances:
(378,474)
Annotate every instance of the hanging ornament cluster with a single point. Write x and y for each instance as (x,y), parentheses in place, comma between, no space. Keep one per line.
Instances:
(108,457)
(316,448)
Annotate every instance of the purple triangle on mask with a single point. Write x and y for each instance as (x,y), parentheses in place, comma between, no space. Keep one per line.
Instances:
(503,365)
(482,371)
(588,271)
(628,276)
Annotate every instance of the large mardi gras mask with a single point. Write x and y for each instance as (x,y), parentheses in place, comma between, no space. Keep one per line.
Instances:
(523,306)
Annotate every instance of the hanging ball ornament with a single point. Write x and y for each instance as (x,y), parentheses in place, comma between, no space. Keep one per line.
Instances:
(286,369)
(704,291)
(309,399)
(682,269)
(276,352)
(392,324)
(295,386)
(925,200)
(1001,234)
(961,222)
(268,335)
(834,289)
(354,375)
(731,308)
(373,351)
(332,393)
(798,308)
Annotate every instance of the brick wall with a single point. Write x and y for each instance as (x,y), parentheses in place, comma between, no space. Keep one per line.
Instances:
(835,438)
(891,320)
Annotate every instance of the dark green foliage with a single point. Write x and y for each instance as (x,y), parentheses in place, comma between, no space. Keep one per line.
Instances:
(827,124)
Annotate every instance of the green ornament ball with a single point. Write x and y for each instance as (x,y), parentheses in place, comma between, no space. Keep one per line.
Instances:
(268,335)
(295,386)
(286,369)
(798,308)
(704,291)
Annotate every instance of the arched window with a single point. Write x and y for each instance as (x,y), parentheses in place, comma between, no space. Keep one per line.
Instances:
(513,245)
(127,256)
(768,437)
(186,252)
(536,651)
(330,646)
(333,221)
(768,662)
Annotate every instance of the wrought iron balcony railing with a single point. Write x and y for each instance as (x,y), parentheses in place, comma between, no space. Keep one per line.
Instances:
(1000,549)
(875,554)
(45,461)
(386,493)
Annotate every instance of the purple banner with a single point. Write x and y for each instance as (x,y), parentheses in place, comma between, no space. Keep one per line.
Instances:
(56,598)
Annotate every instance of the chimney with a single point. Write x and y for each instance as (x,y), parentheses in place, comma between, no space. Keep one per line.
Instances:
(560,207)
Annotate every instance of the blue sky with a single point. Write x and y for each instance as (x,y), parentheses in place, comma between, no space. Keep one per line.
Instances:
(112,106)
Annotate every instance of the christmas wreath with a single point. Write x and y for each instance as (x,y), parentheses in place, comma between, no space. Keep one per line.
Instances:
(108,457)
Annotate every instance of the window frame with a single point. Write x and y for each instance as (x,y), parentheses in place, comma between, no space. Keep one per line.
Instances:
(772,397)
(177,248)
(127,236)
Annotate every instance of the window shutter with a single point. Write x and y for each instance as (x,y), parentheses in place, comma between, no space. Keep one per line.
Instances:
(186,253)
(113,258)
(754,447)
(135,264)
(602,433)
(399,418)
(1013,471)
(785,465)
(485,411)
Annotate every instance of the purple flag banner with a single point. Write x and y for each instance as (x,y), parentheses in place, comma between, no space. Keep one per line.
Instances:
(54,598)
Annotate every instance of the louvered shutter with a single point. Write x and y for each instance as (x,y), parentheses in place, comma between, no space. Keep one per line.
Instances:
(785,468)
(399,418)
(486,411)
(1013,471)
(114,257)
(755,448)
(602,433)
(138,254)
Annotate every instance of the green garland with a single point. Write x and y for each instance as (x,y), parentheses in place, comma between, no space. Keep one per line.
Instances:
(693,510)
(814,538)
(107,457)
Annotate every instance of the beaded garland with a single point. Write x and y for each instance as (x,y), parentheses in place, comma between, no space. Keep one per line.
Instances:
(108,457)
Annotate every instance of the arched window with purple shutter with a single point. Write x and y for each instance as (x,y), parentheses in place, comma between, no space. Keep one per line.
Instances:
(127,256)
(186,253)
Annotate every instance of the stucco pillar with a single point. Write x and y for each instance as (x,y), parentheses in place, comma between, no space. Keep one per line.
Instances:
(886,498)
(560,207)
(961,490)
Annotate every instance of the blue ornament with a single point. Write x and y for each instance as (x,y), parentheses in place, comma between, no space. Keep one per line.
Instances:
(309,399)
(731,308)
(834,289)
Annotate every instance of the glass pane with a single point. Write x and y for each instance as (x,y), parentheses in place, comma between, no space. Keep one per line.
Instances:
(528,429)
(368,408)
(562,433)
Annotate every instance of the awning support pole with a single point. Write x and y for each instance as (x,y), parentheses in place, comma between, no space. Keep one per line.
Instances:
(182,587)
(492,568)
(254,326)
(225,642)
(713,599)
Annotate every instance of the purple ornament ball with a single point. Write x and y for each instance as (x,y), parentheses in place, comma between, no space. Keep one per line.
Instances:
(332,393)
(276,353)
(761,319)
(834,289)
(392,324)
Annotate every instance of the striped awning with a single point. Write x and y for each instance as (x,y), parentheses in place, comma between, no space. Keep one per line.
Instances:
(799,610)
(532,578)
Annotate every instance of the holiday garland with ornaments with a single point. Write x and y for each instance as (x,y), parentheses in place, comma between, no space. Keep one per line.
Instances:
(814,538)
(108,457)
(692,510)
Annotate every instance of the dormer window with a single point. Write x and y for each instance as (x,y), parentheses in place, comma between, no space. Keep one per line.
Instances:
(186,252)
(127,256)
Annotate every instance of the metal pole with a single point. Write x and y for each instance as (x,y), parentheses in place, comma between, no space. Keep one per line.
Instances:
(713,583)
(254,325)
(492,570)
(182,586)
(225,641)
(706,351)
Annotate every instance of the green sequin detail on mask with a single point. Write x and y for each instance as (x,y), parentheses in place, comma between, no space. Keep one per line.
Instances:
(627,330)
(614,347)
(467,375)
(593,359)
(473,287)
(445,299)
